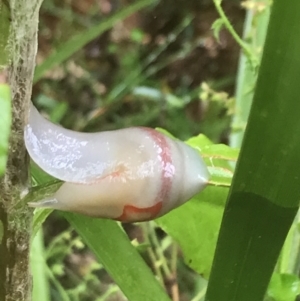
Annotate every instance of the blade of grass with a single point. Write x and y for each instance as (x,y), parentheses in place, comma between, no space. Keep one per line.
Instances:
(143,71)
(121,260)
(265,193)
(39,269)
(80,40)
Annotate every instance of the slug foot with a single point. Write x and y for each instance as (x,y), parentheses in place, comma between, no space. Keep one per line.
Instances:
(133,214)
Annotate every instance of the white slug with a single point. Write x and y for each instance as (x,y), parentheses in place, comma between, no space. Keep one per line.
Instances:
(130,175)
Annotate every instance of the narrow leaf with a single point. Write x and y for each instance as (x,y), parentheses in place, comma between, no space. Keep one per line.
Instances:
(265,193)
(218,158)
(121,260)
(216,27)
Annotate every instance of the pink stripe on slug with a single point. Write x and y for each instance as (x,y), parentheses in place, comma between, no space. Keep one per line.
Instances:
(168,169)
(132,213)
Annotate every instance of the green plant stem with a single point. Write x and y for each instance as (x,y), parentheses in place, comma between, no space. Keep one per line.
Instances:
(244,46)
(170,275)
(15,279)
(296,247)
(158,251)
(214,183)
(255,28)
(152,255)
(112,290)
(63,294)
(286,260)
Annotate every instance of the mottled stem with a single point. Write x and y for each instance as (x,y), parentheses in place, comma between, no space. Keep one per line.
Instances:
(15,217)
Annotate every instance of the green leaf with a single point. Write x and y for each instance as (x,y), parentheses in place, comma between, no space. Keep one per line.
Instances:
(40,215)
(121,260)
(284,287)
(265,194)
(165,132)
(255,28)
(5,123)
(195,226)
(80,40)
(39,193)
(218,158)
(216,27)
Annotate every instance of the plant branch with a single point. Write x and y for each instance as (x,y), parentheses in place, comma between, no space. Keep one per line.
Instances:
(14,215)
(244,46)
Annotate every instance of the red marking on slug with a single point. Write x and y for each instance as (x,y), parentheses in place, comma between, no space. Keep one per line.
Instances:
(132,213)
(168,169)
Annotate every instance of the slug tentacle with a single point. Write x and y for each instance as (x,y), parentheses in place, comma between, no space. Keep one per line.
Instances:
(46,203)
(132,174)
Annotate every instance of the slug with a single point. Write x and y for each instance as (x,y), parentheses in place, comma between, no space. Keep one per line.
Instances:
(130,175)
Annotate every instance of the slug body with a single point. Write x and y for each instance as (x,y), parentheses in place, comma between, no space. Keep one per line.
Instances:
(132,174)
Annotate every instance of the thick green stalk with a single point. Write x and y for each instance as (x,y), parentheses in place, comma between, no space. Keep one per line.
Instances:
(265,194)
(255,29)
(15,218)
